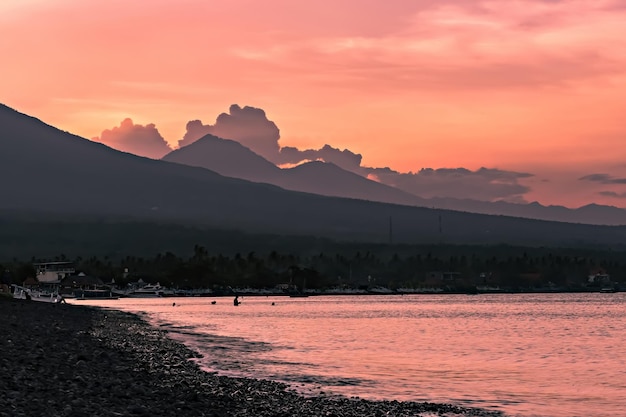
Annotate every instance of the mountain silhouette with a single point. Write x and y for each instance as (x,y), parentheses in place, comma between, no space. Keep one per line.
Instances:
(226,157)
(230,158)
(589,214)
(47,171)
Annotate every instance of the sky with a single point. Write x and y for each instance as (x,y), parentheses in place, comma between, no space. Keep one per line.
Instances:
(519,100)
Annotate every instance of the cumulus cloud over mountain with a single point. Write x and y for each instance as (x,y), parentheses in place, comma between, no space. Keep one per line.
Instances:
(250,127)
(137,139)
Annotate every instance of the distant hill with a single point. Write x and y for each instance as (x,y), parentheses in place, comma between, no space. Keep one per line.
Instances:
(51,172)
(589,214)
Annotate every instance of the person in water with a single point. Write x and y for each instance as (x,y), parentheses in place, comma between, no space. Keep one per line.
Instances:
(236,300)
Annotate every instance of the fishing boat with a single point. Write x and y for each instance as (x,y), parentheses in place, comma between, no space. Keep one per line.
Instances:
(23,293)
(44,287)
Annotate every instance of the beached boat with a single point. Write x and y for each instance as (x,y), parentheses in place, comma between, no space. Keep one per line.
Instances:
(24,293)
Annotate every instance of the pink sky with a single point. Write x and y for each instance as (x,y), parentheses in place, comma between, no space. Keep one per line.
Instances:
(527,86)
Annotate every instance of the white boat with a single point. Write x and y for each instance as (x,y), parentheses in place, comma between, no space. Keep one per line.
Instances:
(151,291)
(488,289)
(24,293)
(380,290)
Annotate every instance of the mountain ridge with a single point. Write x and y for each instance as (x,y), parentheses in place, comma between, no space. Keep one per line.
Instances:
(50,171)
(230,158)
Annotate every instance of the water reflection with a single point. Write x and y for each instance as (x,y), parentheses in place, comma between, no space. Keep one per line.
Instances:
(532,355)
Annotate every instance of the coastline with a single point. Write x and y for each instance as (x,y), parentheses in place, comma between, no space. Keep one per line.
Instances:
(71,360)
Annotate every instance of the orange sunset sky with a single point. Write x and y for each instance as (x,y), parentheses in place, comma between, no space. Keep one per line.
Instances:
(531,88)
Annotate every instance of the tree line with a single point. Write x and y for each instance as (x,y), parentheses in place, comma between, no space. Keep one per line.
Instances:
(352,266)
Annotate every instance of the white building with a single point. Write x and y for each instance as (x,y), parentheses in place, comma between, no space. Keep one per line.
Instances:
(53,272)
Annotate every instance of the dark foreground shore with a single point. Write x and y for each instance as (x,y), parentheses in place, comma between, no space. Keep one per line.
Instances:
(68,360)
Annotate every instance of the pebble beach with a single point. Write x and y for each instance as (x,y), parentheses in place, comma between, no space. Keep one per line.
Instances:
(75,361)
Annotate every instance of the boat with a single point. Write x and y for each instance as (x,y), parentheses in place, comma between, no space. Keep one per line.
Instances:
(44,287)
(150,291)
(85,287)
(379,290)
(604,279)
(23,293)
(95,294)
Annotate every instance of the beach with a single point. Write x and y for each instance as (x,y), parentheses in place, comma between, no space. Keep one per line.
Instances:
(69,360)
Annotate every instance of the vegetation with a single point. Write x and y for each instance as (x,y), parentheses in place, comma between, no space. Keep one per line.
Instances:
(454,268)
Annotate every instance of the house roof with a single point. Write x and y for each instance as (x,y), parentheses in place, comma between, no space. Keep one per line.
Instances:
(80,280)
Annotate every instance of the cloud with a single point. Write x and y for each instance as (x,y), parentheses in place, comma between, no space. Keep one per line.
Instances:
(606,179)
(483,184)
(345,159)
(136,139)
(469,45)
(248,126)
(603,179)
(612,194)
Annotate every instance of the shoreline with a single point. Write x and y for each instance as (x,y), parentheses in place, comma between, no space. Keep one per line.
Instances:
(71,360)
(244,293)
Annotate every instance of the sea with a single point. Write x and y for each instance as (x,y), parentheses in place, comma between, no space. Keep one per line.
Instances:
(527,355)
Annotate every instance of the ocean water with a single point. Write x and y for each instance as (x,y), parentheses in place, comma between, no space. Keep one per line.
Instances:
(524,354)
